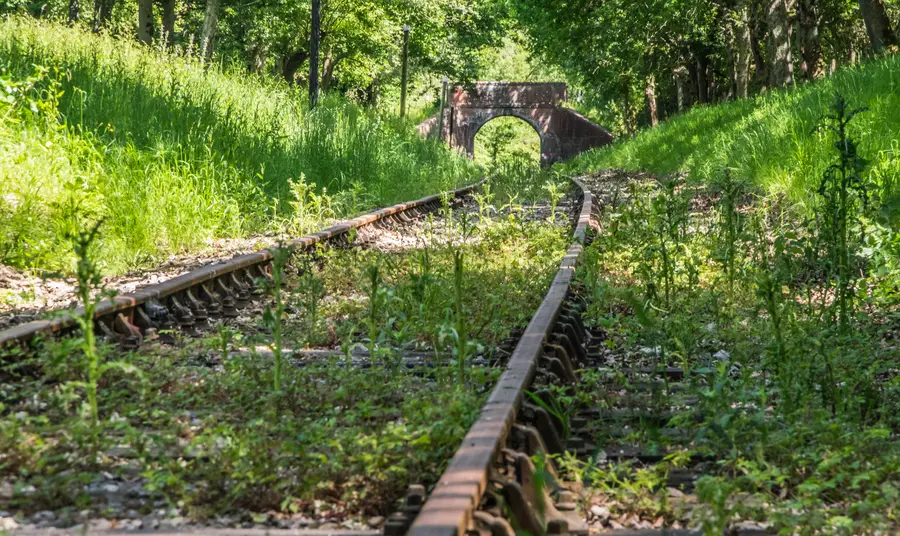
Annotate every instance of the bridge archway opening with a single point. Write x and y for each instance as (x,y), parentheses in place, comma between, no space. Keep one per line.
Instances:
(507,136)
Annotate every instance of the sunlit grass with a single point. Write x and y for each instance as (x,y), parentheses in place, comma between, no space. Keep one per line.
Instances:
(771,140)
(171,153)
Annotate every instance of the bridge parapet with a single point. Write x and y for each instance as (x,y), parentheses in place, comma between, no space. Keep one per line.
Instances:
(509,95)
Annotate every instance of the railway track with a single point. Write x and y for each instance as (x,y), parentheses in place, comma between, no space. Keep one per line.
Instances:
(548,348)
(215,290)
(503,479)
(492,485)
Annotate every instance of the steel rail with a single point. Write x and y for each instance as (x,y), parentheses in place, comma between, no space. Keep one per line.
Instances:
(232,273)
(450,508)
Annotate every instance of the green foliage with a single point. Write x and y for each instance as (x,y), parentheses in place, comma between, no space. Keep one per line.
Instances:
(765,140)
(794,408)
(462,339)
(90,293)
(845,193)
(274,314)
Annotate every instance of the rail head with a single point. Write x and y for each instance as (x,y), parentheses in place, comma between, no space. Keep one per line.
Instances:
(452,503)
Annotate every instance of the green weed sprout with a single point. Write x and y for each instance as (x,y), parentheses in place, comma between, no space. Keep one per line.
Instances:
(461,334)
(555,191)
(88,280)
(843,190)
(272,316)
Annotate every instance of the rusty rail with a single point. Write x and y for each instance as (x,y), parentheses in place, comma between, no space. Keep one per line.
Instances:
(212,290)
(450,510)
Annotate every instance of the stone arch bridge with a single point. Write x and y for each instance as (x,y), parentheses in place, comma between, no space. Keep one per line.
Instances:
(564,133)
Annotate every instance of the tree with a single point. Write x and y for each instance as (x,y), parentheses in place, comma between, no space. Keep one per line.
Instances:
(145,21)
(208,35)
(73,12)
(314,34)
(742,48)
(168,21)
(878,25)
(810,48)
(102,13)
(781,65)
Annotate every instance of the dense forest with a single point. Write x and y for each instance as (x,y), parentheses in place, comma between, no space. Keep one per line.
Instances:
(632,63)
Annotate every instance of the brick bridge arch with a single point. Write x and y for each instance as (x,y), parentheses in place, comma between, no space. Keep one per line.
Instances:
(564,133)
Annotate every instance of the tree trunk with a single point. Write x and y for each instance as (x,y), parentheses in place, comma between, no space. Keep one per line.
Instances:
(810,47)
(878,26)
(626,105)
(781,67)
(692,80)
(760,75)
(145,21)
(732,57)
(208,35)
(102,13)
(372,94)
(168,21)
(73,12)
(650,91)
(702,78)
(293,64)
(314,35)
(328,70)
(257,64)
(742,52)
(679,75)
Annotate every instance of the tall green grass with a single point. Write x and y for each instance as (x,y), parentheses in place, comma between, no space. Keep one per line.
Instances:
(772,140)
(171,152)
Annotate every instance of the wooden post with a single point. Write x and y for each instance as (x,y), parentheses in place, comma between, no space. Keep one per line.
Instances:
(404,71)
(444,83)
(314,54)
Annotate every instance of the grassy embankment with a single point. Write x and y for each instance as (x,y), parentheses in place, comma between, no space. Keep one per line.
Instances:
(170,153)
(775,288)
(769,140)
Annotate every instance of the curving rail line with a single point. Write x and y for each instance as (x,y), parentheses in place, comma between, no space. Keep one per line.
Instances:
(488,459)
(218,289)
